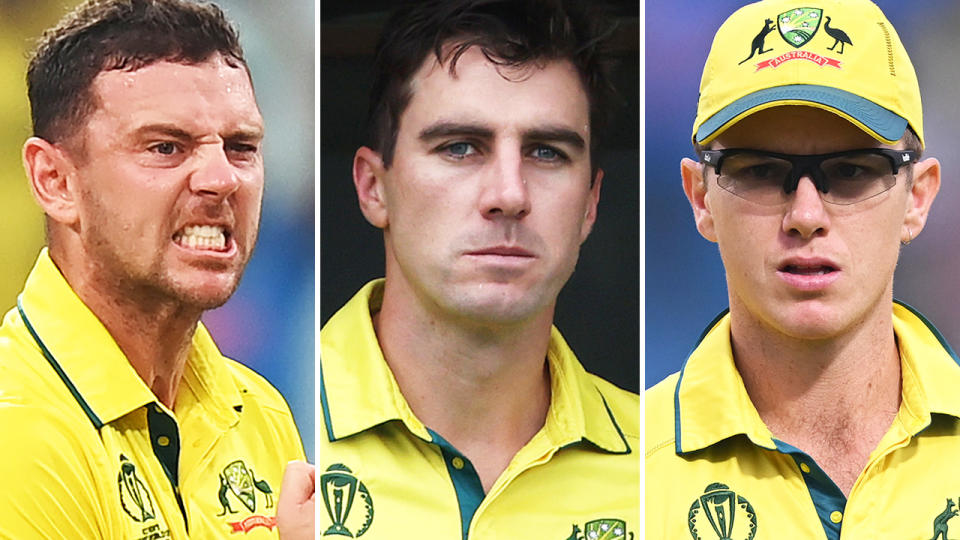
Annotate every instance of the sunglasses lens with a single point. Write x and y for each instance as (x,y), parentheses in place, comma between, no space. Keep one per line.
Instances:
(755,177)
(856,177)
(842,179)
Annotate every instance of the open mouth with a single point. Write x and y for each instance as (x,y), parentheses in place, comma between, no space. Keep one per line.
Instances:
(808,270)
(203,237)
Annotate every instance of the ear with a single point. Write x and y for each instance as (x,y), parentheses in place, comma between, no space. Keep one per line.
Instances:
(51,175)
(926,184)
(368,173)
(693,185)
(590,213)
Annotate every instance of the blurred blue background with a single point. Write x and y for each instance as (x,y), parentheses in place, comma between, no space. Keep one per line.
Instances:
(269,323)
(684,281)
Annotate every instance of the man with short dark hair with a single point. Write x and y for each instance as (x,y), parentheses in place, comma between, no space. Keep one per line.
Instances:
(451,405)
(122,418)
(816,406)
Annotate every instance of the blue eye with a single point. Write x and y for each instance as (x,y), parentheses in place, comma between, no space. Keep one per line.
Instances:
(459,149)
(547,153)
(166,148)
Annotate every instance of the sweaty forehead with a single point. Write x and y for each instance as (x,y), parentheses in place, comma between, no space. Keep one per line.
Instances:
(208,92)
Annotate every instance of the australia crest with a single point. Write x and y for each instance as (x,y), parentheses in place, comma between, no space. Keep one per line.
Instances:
(241,482)
(798,26)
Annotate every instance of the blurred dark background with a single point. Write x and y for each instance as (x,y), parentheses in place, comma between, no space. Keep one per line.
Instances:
(684,280)
(598,310)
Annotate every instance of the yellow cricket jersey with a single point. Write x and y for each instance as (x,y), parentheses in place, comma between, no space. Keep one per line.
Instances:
(382,474)
(89,452)
(713,469)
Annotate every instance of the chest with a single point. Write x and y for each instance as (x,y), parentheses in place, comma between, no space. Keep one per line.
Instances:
(387,483)
(738,490)
(170,480)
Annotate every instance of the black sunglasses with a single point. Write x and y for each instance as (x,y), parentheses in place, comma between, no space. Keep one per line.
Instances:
(768,178)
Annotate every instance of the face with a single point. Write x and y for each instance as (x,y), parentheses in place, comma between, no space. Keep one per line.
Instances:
(171,179)
(808,269)
(489,194)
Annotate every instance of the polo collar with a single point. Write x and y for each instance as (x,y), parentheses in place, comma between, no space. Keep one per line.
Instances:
(711,402)
(930,369)
(90,362)
(350,355)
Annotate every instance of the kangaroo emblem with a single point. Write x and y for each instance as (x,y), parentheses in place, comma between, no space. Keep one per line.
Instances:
(757,46)
(940,522)
(224,502)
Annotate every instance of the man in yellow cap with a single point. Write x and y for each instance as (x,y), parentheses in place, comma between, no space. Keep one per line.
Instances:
(816,404)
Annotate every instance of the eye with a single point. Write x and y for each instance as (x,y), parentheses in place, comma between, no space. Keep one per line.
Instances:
(242,150)
(166,148)
(847,170)
(759,171)
(459,150)
(547,153)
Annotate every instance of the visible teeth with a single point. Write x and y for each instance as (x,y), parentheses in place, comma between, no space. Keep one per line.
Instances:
(809,270)
(202,237)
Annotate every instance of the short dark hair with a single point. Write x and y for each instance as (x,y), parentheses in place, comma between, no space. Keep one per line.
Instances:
(508,32)
(104,35)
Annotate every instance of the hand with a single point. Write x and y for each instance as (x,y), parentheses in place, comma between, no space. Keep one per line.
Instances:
(295,506)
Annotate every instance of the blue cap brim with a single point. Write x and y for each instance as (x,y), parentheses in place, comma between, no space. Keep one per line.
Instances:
(883,122)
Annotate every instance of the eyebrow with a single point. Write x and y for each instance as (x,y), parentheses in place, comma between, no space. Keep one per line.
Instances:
(558,134)
(173,130)
(446,129)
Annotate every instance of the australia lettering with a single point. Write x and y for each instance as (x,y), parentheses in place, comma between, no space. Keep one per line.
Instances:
(799,55)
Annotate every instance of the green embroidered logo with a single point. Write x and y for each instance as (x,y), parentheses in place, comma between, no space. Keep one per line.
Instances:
(714,515)
(940,522)
(602,529)
(242,483)
(134,496)
(798,26)
(339,488)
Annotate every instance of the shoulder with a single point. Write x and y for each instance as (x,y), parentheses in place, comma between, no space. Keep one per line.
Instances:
(29,384)
(266,411)
(50,469)
(659,426)
(254,386)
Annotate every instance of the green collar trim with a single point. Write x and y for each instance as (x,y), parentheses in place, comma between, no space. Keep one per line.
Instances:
(94,419)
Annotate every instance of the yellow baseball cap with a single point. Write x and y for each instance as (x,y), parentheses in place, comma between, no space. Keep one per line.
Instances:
(842,56)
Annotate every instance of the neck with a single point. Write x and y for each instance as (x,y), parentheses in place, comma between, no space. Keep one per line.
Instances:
(483,388)
(833,398)
(154,334)
(851,373)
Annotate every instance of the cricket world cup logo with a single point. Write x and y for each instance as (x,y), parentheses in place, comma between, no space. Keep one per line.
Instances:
(134,495)
(341,490)
(721,514)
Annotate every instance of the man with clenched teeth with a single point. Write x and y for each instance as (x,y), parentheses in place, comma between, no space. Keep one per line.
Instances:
(817,406)
(121,417)
(449,400)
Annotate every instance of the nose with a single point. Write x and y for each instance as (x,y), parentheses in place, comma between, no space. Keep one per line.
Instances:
(504,193)
(806,215)
(215,177)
